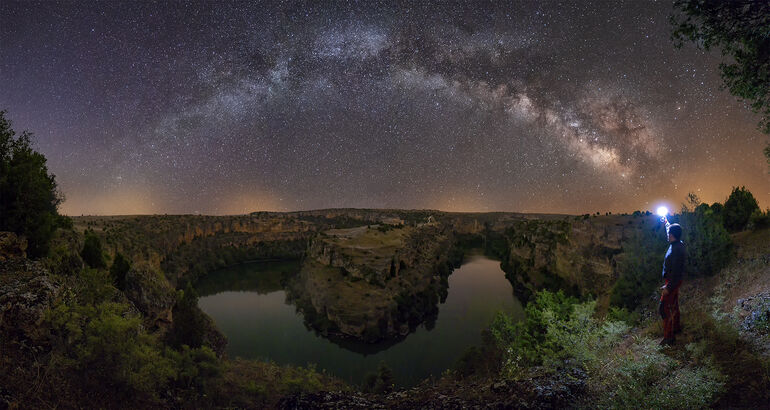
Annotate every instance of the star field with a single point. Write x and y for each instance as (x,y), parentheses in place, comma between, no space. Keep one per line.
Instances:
(220,107)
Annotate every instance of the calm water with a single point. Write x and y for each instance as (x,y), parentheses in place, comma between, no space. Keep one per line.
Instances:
(250,308)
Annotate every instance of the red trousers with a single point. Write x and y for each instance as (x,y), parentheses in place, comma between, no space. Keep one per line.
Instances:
(671,307)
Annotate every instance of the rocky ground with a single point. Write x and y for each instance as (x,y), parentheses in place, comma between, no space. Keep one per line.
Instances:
(536,392)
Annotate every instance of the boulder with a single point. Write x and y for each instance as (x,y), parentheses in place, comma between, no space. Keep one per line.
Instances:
(151,293)
(12,247)
(25,299)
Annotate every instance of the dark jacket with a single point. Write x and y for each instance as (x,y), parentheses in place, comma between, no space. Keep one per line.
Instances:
(674,263)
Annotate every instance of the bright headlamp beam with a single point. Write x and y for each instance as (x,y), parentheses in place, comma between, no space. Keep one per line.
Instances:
(662,211)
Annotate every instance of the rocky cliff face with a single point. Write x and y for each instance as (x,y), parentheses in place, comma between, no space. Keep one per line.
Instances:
(339,297)
(151,293)
(577,255)
(26,291)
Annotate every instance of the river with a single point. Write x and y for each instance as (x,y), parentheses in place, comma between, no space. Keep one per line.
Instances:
(249,307)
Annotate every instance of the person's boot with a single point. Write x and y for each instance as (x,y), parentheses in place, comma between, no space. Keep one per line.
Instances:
(667,341)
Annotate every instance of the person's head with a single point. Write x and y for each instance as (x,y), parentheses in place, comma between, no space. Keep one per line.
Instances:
(674,233)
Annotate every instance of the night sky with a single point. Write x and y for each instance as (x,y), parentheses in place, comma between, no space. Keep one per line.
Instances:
(218,107)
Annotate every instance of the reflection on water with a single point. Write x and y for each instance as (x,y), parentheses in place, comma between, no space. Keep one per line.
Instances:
(248,305)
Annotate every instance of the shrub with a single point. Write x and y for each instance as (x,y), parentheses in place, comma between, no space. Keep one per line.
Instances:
(92,252)
(618,376)
(189,322)
(759,219)
(380,382)
(198,369)
(119,269)
(640,267)
(709,246)
(107,349)
(738,209)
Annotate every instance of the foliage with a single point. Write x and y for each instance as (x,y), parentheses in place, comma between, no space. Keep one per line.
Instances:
(92,252)
(759,219)
(738,209)
(619,376)
(28,195)
(527,343)
(631,317)
(643,374)
(639,267)
(189,321)
(380,382)
(119,269)
(101,346)
(106,348)
(741,30)
(197,369)
(709,246)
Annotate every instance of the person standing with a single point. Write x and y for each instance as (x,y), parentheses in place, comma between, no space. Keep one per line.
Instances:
(673,274)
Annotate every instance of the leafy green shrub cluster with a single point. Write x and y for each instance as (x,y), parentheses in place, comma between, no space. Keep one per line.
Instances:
(640,267)
(557,327)
(738,209)
(759,219)
(561,331)
(709,246)
(102,347)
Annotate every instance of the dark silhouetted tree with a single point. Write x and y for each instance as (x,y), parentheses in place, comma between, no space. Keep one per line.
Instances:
(28,195)
(92,252)
(738,209)
(119,269)
(189,322)
(741,30)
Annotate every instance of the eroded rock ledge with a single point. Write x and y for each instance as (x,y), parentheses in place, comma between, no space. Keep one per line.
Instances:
(373,283)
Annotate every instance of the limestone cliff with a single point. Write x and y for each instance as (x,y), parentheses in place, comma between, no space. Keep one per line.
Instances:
(575,254)
(26,292)
(350,287)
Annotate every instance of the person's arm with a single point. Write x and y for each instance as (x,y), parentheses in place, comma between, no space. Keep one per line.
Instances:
(667,265)
(668,224)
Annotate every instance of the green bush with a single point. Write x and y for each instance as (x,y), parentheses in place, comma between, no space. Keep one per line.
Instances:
(709,246)
(738,209)
(759,219)
(533,341)
(640,267)
(198,369)
(567,331)
(102,346)
(106,348)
